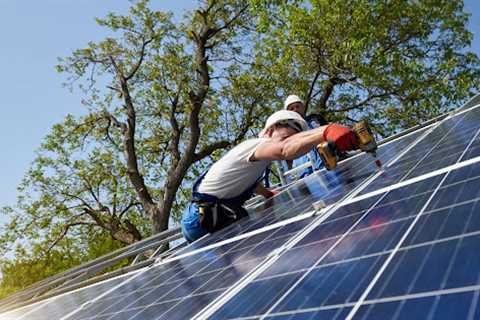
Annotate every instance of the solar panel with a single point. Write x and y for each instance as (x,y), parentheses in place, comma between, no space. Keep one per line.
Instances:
(356,243)
(342,247)
(440,148)
(49,309)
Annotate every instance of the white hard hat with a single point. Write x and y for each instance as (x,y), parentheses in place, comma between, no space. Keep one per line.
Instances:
(290,117)
(291,99)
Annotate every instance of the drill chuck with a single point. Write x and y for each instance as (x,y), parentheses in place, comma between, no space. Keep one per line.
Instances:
(365,137)
(366,140)
(328,154)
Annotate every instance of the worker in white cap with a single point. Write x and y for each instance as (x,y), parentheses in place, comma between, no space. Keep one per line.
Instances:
(294,103)
(219,194)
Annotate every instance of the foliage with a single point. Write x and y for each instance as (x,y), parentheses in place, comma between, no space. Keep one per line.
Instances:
(396,63)
(34,264)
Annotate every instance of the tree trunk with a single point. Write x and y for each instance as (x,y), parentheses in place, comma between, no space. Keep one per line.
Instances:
(127,234)
(160,223)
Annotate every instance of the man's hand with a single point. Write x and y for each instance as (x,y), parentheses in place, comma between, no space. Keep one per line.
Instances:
(267,193)
(271,193)
(343,137)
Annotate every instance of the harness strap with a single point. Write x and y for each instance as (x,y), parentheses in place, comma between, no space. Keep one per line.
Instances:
(237,201)
(215,213)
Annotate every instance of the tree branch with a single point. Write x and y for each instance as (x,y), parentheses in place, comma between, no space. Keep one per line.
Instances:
(208,150)
(125,210)
(363,102)
(310,91)
(129,147)
(65,231)
(175,141)
(327,92)
(140,60)
(229,22)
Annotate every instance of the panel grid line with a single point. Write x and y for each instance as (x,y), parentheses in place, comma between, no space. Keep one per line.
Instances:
(209,310)
(427,294)
(215,305)
(400,242)
(473,306)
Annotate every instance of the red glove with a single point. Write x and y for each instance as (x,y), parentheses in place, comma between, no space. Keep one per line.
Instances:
(343,137)
(273,193)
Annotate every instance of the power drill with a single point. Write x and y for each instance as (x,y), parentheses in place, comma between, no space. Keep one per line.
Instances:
(367,143)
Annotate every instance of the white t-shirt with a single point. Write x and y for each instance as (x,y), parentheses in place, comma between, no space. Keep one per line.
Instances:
(234,172)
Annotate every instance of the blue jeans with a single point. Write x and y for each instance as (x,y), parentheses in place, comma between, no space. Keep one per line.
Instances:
(191,228)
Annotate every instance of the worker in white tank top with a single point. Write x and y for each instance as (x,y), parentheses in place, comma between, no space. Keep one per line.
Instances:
(218,195)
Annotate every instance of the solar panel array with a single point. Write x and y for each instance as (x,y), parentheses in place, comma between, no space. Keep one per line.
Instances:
(356,243)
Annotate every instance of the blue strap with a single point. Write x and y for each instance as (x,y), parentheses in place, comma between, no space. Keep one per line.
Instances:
(198,196)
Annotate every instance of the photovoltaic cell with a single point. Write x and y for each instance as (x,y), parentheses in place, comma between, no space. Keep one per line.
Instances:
(204,277)
(407,253)
(450,306)
(324,269)
(439,258)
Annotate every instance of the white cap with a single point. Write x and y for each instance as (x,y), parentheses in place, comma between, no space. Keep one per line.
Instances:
(285,115)
(291,99)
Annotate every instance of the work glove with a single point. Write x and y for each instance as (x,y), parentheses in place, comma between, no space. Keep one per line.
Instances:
(343,137)
(272,193)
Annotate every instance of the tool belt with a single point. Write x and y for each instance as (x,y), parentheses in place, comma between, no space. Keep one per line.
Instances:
(216,215)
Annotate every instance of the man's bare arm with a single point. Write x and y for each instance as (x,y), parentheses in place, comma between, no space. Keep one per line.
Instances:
(289,148)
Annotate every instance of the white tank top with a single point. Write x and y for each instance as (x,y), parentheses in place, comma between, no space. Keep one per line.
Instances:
(234,172)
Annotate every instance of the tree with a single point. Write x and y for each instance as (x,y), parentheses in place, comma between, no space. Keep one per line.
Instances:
(396,63)
(160,97)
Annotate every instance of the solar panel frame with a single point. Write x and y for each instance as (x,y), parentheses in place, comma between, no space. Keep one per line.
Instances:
(347,198)
(444,177)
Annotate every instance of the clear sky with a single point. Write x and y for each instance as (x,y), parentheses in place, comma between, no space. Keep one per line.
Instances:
(32,99)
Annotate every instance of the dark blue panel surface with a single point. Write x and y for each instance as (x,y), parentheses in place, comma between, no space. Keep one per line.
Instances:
(330,314)
(257,297)
(331,285)
(444,307)
(341,275)
(445,223)
(382,227)
(442,147)
(205,274)
(441,252)
(409,309)
(58,307)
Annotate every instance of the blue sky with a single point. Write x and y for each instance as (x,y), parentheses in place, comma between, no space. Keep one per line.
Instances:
(34,34)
